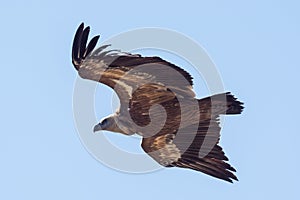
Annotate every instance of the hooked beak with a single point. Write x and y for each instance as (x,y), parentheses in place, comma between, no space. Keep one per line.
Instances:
(97,128)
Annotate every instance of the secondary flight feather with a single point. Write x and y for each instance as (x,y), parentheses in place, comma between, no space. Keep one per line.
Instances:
(157,101)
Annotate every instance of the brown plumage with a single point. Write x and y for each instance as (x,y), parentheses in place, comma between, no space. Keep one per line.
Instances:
(158,103)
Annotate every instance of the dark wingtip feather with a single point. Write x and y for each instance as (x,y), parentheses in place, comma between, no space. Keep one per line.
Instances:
(207,168)
(76,46)
(84,38)
(91,46)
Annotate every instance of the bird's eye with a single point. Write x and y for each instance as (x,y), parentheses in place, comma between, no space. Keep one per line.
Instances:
(104,122)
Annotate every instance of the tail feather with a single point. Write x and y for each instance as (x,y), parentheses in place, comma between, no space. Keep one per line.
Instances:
(234,106)
(224,103)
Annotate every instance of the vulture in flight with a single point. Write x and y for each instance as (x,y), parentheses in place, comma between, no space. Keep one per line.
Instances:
(157,102)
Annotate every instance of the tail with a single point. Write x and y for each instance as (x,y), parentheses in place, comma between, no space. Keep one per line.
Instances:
(224,103)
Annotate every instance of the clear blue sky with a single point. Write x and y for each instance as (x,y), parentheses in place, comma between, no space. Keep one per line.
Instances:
(255,45)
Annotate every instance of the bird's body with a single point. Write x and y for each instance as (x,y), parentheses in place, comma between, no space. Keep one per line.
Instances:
(158,103)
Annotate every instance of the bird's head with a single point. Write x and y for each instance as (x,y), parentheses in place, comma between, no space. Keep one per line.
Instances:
(107,124)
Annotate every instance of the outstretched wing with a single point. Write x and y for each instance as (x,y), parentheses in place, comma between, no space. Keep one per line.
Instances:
(198,148)
(125,72)
(170,151)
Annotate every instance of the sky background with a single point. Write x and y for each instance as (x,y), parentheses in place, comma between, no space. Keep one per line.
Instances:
(255,46)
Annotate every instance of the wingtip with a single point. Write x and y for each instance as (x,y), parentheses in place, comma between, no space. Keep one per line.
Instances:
(79,49)
(88,28)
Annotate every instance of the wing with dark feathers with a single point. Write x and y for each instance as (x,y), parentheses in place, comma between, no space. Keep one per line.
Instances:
(128,71)
(197,150)
(172,151)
